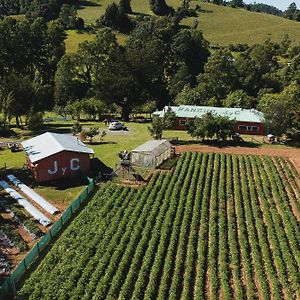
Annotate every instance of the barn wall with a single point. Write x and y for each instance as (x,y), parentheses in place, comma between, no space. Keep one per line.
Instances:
(61,165)
(260,127)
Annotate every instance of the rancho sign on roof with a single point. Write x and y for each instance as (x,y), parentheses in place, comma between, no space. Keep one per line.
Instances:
(248,121)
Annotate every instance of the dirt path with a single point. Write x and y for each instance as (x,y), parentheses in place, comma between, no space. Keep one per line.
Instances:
(292,154)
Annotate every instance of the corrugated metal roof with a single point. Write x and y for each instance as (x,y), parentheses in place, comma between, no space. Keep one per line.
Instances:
(51,143)
(190,111)
(154,146)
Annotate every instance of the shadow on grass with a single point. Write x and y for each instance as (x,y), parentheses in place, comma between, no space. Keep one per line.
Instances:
(139,14)
(100,143)
(99,167)
(219,144)
(26,177)
(206,11)
(66,183)
(83,3)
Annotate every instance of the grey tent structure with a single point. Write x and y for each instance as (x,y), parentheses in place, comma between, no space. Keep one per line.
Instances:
(151,154)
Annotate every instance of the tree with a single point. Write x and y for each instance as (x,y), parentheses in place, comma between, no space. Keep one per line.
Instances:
(91,132)
(116,18)
(93,107)
(209,126)
(160,8)
(69,84)
(220,77)
(68,16)
(186,59)
(156,128)
(237,3)
(256,67)
(18,96)
(145,53)
(290,12)
(188,96)
(239,99)
(125,7)
(35,120)
(282,111)
(76,128)
(102,135)
(169,119)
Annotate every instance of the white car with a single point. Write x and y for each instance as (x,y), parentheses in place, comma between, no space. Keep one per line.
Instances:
(116,126)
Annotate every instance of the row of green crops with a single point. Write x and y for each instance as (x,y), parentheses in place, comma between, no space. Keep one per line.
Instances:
(218,226)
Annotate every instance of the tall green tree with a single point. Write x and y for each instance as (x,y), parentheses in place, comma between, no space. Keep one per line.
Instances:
(186,59)
(290,11)
(237,3)
(220,77)
(282,111)
(125,6)
(160,8)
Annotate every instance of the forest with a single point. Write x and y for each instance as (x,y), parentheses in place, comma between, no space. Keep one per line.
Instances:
(161,63)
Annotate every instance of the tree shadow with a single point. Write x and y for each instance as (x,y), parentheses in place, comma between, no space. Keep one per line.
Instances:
(139,14)
(218,143)
(83,3)
(206,11)
(99,143)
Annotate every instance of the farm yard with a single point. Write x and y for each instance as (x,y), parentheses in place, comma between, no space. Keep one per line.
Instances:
(217,226)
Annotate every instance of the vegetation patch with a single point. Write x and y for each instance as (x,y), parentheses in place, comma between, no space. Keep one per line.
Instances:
(218,226)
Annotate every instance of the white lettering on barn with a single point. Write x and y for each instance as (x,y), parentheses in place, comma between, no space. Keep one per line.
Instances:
(64,169)
(74,166)
(54,171)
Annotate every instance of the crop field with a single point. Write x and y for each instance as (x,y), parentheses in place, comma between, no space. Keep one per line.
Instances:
(218,226)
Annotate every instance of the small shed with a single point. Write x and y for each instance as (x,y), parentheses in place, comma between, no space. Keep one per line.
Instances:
(51,156)
(151,154)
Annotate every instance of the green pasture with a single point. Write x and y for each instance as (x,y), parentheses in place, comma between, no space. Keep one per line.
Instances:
(220,25)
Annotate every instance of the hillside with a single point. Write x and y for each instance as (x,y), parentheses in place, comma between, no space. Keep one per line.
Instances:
(225,25)
(220,25)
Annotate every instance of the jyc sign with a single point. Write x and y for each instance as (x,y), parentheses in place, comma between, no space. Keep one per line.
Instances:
(74,166)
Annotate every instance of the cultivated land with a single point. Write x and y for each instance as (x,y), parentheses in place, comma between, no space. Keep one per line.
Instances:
(220,25)
(216,227)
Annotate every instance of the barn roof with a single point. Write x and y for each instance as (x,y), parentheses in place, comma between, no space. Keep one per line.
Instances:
(50,143)
(238,114)
(156,147)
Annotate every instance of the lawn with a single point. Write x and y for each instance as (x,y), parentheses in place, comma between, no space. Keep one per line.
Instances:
(114,141)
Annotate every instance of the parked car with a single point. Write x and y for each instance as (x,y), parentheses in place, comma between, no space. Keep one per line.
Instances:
(116,126)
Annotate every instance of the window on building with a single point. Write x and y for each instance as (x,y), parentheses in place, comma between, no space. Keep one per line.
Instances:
(248,128)
(182,122)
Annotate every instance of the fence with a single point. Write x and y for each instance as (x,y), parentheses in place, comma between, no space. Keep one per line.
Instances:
(7,290)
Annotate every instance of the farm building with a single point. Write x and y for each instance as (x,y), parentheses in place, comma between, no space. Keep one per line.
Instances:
(151,154)
(248,121)
(52,156)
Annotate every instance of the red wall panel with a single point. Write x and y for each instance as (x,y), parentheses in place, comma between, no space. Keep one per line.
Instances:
(60,165)
(260,131)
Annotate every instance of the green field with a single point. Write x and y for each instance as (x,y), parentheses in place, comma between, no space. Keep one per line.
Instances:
(217,227)
(220,25)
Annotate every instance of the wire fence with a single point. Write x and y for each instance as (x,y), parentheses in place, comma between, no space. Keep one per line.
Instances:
(8,290)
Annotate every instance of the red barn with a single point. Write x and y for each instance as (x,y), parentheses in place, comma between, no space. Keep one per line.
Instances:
(248,121)
(52,156)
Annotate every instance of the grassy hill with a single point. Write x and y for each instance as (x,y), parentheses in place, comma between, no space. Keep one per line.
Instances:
(220,25)
(225,25)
